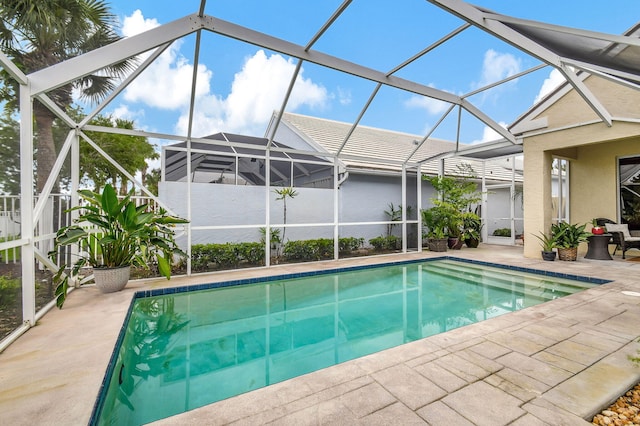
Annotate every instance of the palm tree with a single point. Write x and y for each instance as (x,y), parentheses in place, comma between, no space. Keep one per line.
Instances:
(283,194)
(38,34)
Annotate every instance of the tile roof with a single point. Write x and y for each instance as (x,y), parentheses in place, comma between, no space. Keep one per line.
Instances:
(374,149)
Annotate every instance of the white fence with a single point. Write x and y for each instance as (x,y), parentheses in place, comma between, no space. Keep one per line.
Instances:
(55,215)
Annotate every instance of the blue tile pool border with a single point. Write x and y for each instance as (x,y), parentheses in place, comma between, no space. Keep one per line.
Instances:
(257,280)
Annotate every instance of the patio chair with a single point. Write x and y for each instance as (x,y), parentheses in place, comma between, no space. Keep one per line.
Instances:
(620,235)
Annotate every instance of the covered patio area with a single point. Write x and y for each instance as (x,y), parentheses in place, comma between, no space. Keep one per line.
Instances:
(556,363)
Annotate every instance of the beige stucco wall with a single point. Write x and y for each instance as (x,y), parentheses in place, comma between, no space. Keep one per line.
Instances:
(619,101)
(592,150)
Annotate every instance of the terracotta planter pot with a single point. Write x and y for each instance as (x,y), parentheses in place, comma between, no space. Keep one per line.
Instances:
(109,280)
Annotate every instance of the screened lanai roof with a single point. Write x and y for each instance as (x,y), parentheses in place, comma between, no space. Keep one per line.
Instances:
(569,50)
(212,160)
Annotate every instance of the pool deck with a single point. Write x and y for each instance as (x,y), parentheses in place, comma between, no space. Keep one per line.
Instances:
(556,363)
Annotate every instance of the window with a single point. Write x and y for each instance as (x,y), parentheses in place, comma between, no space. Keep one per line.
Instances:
(560,190)
(629,187)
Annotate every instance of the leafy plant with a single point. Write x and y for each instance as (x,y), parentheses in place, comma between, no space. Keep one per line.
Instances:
(119,234)
(275,239)
(471,226)
(385,243)
(9,290)
(457,196)
(569,235)
(225,256)
(347,245)
(502,232)
(547,242)
(285,193)
(305,250)
(395,214)
(438,219)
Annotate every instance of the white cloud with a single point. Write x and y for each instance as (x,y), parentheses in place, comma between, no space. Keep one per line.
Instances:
(123,111)
(166,83)
(257,90)
(171,71)
(498,66)
(260,88)
(344,96)
(431,105)
(488,134)
(136,24)
(550,83)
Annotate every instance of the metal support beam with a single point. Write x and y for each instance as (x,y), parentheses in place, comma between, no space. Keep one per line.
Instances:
(65,72)
(26,207)
(488,23)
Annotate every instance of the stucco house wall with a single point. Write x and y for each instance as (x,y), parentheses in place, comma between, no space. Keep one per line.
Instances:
(571,132)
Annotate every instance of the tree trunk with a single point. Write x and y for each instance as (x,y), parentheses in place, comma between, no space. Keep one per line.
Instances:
(46,149)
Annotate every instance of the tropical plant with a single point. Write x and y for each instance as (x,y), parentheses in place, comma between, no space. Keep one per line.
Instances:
(457,195)
(285,193)
(471,226)
(39,34)
(275,237)
(119,234)
(547,242)
(437,219)
(395,214)
(568,235)
(502,232)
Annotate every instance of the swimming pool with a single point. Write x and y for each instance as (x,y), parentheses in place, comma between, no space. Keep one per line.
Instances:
(192,346)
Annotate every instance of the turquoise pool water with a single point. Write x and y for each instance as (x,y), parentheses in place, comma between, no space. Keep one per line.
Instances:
(187,349)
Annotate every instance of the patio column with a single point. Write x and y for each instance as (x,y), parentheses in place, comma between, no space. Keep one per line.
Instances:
(537,197)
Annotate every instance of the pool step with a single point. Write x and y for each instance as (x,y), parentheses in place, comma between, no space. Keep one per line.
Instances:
(530,285)
(561,284)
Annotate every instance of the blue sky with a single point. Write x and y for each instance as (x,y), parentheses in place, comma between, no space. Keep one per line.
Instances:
(239,85)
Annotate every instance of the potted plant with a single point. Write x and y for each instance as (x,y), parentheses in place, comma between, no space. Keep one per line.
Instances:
(568,237)
(471,227)
(456,197)
(548,243)
(119,235)
(596,229)
(454,229)
(435,220)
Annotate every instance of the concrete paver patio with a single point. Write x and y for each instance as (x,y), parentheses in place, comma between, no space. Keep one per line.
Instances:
(556,363)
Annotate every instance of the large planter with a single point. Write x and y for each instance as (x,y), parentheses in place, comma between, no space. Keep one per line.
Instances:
(472,242)
(568,253)
(109,280)
(437,244)
(454,243)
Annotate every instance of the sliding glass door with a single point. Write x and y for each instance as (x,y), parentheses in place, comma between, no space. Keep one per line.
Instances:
(629,191)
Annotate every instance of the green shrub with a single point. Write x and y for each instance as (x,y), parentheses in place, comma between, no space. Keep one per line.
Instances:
(502,232)
(347,245)
(9,290)
(253,253)
(230,255)
(306,250)
(390,242)
(225,256)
